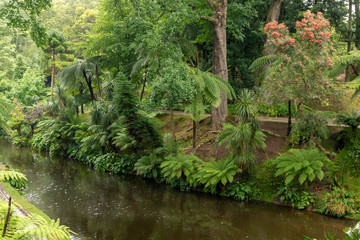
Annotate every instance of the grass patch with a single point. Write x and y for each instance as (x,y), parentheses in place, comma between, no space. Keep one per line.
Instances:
(18,199)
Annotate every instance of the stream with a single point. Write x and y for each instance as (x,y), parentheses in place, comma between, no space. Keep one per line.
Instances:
(104,206)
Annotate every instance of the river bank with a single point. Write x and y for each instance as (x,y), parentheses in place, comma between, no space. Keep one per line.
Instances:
(107,206)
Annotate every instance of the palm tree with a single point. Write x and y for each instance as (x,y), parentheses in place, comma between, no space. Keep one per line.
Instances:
(246,108)
(243,141)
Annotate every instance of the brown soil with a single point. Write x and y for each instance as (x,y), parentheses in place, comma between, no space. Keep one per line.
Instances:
(206,145)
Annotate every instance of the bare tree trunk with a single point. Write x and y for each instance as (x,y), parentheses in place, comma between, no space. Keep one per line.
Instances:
(172,122)
(357,24)
(348,69)
(98,80)
(8,216)
(52,71)
(144,84)
(218,19)
(273,15)
(194,136)
(274,11)
(289,119)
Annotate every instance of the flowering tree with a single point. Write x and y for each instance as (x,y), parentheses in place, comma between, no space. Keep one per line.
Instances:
(298,65)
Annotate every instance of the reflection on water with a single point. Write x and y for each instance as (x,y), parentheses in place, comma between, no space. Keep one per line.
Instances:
(104,206)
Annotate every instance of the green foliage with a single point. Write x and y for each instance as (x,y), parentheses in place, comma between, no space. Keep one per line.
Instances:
(23,15)
(262,62)
(246,108)
(138,127)
(180,166)
(349,136)
(208,87)
(37,227)
(29,89)
(243,141)
(300,200)
(275,110)
(310,126)
(346,162)
(113,162)
(338,202)
(214,172)
(148,166)
(306,165)
(242,191)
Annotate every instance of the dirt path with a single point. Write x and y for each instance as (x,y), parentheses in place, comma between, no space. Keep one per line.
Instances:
(262,118)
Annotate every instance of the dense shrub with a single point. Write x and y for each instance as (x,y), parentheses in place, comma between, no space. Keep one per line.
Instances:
(337,203)
(298,199)
(241,191)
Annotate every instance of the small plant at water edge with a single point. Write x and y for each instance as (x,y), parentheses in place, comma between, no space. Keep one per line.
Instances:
(148,166)
(337,203)
(300,200)
(241,191)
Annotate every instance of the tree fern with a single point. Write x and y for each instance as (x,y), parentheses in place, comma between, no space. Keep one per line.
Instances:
(214,172)
(36,227)
(11,175)
(148,166)
(179,166)
(301,164)
(342,62)
(262,62)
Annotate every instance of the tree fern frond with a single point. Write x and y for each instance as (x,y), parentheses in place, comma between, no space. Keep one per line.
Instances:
(261,62)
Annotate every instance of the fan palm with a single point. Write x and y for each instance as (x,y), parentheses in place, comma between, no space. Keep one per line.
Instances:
(243,141)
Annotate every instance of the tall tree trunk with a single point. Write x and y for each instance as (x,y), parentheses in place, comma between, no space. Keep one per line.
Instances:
(88,82)
(98,80)
(172,122)
(357,24)
(273,15)
(348,69)
(52,71)
(194,136)
(218,19)
(274,11)
(144,84)
(289,119)
(8,216)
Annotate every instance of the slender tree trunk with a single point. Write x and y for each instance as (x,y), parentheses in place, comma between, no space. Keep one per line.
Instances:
(172,122)
(98,80)
(144,84)
(348,69)
(8,216)
(88,82)
(289,119)
(218,19)
(194,136)
(52,71)
(82,108)
(357,24)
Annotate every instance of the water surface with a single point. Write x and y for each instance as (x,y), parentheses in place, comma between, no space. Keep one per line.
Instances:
(105,206)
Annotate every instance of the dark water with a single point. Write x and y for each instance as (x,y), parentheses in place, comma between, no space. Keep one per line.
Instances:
(103,206)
